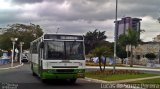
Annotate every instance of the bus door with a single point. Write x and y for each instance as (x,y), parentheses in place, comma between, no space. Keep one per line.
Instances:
(40,57)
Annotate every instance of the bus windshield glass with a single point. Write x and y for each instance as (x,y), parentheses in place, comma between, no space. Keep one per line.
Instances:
(64,50)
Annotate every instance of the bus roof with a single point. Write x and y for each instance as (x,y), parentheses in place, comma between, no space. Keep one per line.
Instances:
(62,34)
(60,37)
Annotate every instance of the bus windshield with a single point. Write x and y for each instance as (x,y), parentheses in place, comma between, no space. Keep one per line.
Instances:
(65,50)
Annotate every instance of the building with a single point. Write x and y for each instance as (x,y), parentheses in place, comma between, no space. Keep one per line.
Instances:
(142,49)
(157,38)
(127,22)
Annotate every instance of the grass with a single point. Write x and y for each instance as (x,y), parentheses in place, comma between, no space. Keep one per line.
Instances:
(108,76)
(149,81)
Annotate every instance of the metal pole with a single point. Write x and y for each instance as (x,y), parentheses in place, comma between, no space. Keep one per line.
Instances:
(57,30)
(115,33)
(21,44)
(20,53)
(159,53)
(12,54)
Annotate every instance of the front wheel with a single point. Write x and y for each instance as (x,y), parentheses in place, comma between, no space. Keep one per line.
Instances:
(73,81)
(34,74)
(44,80)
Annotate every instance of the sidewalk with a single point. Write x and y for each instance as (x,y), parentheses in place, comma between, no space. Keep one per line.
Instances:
(8,66)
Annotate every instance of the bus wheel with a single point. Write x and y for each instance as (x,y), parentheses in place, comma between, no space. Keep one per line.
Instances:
(44,80)
(34,74)
(73,81)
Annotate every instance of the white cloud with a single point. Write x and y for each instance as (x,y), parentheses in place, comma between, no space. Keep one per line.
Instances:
(151,27)
(80,16)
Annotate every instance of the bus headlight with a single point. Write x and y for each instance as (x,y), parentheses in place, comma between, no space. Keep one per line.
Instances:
(51,71)
(80,71)
(80,64)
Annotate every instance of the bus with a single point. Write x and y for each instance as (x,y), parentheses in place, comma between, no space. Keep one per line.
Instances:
(58,56)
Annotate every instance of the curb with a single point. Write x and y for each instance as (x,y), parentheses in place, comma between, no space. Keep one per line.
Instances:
(96,80)
(12,67)
(128,68)
(109,83)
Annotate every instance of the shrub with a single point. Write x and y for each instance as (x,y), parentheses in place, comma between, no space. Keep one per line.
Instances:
(150,56)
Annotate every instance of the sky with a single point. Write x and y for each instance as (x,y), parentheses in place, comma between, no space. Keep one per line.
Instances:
(81,16)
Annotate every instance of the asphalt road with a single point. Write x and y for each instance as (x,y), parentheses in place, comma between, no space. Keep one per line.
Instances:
(21,78)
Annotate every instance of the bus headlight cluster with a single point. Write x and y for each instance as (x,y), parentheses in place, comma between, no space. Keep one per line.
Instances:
(80,64)
(80,71)
(51,71)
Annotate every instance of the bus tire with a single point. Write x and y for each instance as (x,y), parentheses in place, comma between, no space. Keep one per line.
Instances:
(44,80)
(73,81)
(34,74)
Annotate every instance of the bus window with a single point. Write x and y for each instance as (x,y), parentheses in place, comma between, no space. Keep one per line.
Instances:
(55,50)
(74,50)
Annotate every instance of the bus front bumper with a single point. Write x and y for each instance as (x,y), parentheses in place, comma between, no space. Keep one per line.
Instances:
(53,74)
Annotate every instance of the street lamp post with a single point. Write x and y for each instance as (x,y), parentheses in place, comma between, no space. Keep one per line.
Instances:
(21,44)
(115,38)
(13,42)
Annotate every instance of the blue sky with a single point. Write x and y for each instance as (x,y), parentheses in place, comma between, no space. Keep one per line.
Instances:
(81,16)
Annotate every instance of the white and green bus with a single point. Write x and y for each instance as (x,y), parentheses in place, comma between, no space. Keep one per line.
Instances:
(58,56)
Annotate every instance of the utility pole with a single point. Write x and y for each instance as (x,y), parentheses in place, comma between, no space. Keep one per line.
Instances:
(13,42)
(57,30)
(21,44)
(115,39)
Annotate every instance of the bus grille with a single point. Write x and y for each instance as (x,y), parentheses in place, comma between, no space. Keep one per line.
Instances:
(65,70)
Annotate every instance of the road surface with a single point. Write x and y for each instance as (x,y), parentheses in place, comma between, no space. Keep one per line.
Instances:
(21,78)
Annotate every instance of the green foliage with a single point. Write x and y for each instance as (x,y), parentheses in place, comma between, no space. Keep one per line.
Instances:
(130,38)
(25,33)
(98,51)
(93,38)
(121,52)
(118,75)
(123,40)
(150,56)
(158,19)
(148,81)
(103,48)
(121,46)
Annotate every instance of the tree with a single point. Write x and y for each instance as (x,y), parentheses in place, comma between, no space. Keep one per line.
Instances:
(25,33)
(121,52)
(121,46)
(150,56)
(93,38)
(158,19)
(132,39)
(104,51)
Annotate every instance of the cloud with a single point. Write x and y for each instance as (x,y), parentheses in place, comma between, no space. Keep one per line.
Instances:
(139,8)
(80,16)
(151,27)
(26,1)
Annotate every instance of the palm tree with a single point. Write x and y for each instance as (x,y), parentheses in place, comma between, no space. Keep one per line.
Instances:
(131,38)
(93,38)
(100,51)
